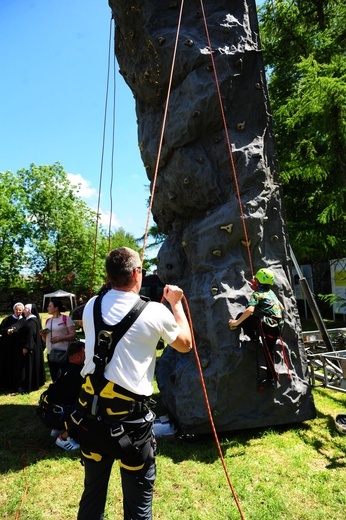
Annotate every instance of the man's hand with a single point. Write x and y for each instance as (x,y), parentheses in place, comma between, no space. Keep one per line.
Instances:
(173,294)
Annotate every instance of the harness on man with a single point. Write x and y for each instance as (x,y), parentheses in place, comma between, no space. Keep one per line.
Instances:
(108,417)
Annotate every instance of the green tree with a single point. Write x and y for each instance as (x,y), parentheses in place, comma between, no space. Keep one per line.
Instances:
(61,225)
(13,229)
(304,51)
(47,231)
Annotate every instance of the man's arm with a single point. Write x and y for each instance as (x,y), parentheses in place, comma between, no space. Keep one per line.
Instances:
(173,294)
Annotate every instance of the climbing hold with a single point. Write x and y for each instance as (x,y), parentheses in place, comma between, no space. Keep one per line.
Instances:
(274,210)
(205,362)
(217,252)
(210,68)
(241,126)
(161,40)
(171,195)
(188,42)
(184,244)
(274,238)
(214,290)
(148,167)
(200,160)
(217,139)
(228,228)
(187,180)
(246,243)
(258,86)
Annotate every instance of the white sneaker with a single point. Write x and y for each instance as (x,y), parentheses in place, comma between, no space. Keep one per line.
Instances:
(56,433)
(68,444)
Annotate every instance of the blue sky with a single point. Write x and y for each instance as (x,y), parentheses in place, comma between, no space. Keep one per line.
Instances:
(54,59)
(53,62)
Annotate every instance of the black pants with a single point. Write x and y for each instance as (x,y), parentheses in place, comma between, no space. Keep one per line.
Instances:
(137,487)
(254,327)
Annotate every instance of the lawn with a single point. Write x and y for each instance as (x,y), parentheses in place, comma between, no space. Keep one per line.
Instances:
(289,472)
(295,473)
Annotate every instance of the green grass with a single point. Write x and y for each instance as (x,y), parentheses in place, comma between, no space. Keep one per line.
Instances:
(286,473)
(295,473)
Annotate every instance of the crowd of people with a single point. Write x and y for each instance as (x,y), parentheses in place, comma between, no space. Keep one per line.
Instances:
(23,341)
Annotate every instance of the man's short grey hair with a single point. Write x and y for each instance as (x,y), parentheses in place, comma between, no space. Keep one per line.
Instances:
(120,264)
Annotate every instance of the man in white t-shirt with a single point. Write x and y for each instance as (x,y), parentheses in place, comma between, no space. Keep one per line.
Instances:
(130,373)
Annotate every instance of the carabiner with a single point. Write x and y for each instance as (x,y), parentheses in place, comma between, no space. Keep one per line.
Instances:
(104,338)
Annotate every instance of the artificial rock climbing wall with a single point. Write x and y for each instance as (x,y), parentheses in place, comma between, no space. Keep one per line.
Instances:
(196,202)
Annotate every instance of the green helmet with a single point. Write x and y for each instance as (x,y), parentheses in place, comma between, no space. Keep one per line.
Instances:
(265,276)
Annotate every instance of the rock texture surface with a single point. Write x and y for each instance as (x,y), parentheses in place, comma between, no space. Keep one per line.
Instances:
(196,202)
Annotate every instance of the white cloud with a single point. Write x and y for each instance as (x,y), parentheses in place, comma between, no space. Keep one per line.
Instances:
(104,220)
(83,187)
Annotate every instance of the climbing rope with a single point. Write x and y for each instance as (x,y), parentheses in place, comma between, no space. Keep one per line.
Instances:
(210,415)
(162,129)
(229,146)
(101,165)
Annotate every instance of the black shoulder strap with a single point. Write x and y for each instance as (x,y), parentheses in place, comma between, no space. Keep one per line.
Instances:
(104,348)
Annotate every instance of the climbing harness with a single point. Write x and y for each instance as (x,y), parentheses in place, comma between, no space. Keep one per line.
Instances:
(106,413)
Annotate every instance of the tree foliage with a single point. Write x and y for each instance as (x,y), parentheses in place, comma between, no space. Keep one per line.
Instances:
(49,233)
(304,51)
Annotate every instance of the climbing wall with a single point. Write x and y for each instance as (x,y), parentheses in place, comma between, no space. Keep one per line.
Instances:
(221,208)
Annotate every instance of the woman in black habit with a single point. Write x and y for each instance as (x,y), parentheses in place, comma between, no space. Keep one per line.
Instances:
(34,373)
(11,349)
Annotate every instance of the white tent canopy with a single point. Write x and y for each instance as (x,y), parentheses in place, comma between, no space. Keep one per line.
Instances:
(60,294)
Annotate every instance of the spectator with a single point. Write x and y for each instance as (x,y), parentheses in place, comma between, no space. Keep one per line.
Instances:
(34,375)
(58,332)
(58,401)
(11,349)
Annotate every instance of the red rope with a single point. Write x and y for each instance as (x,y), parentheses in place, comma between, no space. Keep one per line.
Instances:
(210,415)
(233,168)
(162,130)
(245,232)
(24,462)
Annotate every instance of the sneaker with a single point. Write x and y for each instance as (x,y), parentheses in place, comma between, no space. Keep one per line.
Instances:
(68,444)
(56,433)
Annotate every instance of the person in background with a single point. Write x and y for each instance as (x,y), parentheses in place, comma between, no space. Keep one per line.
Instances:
(58,332)
(129,379)
(34,375)
(10,349)
(58,401)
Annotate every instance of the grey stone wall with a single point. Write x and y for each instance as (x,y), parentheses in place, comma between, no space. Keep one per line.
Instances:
(196,204)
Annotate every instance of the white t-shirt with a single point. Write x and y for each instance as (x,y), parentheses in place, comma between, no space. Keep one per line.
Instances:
(58,327)
(133,363)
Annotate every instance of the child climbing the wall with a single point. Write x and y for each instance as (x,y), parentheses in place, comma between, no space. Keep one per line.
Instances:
(263,318)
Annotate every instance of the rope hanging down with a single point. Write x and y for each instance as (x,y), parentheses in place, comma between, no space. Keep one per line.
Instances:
(101,165)
(233,168)
(243,220)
